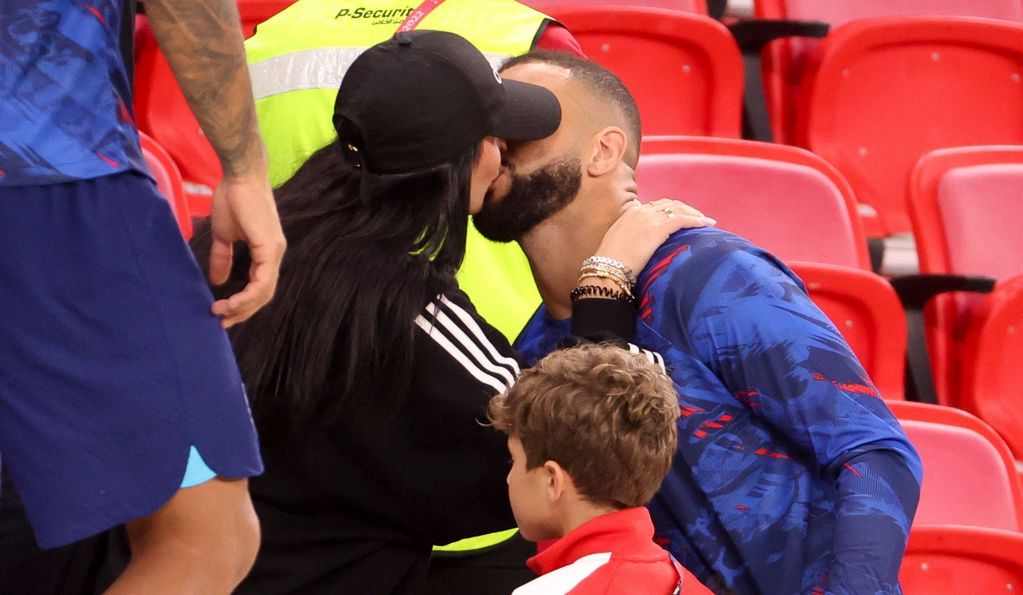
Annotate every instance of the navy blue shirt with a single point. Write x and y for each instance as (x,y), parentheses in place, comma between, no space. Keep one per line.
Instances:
(792,475)
(64,93)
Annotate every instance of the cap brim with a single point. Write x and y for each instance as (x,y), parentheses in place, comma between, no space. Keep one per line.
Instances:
(529,112)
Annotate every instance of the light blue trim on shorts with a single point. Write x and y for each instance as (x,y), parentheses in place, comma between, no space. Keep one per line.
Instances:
(196,471)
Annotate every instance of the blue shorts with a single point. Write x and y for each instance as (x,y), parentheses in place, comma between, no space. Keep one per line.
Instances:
(112,367)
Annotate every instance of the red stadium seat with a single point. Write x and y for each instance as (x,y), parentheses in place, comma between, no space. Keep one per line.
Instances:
(785,60)
(813,218)
(962,560)
(743,184)
(684,69)
(941,414)
(967,210)
(886,91)
(163,113)
(865,309)
(254,12)
(697,6)
(994,351)
(168,181)
(970,477)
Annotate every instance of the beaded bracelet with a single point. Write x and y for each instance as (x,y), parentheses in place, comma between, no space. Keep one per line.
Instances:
(611,262)
(602,275)
(600,291)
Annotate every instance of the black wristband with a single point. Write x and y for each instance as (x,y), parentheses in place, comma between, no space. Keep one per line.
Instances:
(599,320)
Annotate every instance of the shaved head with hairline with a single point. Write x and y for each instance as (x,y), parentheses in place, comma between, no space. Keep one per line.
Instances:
(602,87)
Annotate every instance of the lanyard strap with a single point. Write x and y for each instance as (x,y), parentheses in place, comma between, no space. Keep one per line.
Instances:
(412,20)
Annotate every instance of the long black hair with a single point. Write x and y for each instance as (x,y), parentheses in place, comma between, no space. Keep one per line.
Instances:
(357,272)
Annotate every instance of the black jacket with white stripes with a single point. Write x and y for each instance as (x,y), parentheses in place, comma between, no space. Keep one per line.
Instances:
(356,510)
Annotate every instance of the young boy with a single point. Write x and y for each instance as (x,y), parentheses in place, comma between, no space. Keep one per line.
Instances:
(592,432)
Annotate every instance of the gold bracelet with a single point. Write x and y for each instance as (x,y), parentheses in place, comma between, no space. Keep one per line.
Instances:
(614,263)
(614,271)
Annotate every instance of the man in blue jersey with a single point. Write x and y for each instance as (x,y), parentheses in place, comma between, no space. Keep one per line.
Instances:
(791,475)
(120,401)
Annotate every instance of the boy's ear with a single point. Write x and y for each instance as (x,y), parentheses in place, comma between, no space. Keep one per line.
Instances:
(557,479)
(609,148)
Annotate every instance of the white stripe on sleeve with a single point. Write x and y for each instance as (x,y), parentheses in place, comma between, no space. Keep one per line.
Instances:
(469,347)
(475,329)
(660,361)
(566,578)
(490,380)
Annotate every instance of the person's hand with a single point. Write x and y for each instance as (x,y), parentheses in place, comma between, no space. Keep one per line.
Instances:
(244,210)
(642,228)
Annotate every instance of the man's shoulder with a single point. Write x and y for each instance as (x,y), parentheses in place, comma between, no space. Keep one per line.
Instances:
(696,255)
(696,267)
(700,247)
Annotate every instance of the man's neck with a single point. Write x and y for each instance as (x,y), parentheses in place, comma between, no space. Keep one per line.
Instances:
(556,249)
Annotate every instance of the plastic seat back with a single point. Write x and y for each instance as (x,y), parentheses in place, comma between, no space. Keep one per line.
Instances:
(781,198)
(168,181)
(785,59)
(967,209)
(940,414)
(953,559)
(866,310)
(969,477)
(695,6)
(887,91)
(994,351)
(839,12)
(684,70)
(254,12)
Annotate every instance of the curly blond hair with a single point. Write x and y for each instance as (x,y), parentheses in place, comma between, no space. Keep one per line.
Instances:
(607,416)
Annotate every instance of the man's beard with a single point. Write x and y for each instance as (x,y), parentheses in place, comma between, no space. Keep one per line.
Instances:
(530,200)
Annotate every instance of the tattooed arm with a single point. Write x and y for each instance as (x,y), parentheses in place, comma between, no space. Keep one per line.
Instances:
(203,43)
(202,40)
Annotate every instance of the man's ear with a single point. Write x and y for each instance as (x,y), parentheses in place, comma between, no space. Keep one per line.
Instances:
(557,480)
(609,148)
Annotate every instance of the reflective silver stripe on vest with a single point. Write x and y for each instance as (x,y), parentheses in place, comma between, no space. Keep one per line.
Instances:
(321,68)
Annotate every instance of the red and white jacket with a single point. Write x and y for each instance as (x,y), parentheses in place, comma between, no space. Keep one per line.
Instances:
(613,553)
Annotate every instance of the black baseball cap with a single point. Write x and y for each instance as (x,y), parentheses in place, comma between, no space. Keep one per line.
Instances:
(423,97)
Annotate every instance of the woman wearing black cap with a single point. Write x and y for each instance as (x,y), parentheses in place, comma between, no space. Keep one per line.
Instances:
(370,371)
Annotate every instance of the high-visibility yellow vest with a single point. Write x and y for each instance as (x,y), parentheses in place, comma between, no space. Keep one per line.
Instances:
(297,59)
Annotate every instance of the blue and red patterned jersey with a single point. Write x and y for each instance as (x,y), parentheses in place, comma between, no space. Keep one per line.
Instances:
(64,94)
(792,476)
